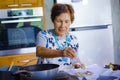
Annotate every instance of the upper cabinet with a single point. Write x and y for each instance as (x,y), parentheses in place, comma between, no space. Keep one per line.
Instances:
(8,4)
(20,3)
(30,3)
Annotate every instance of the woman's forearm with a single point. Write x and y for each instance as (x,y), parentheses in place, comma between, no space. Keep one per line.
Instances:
(48,53)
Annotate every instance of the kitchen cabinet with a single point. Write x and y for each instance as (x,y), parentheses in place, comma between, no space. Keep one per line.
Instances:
(18,60)
(8,4)
(20,3)
(30,3)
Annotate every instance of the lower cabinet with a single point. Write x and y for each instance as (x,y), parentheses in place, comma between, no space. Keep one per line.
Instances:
(18,60)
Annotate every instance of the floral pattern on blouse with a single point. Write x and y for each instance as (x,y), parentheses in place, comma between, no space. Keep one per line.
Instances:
(51,44)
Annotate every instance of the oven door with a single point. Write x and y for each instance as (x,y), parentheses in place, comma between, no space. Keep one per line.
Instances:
(19,32)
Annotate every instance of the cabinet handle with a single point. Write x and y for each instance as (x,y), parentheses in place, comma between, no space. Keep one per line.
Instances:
(12,5)
(26,5)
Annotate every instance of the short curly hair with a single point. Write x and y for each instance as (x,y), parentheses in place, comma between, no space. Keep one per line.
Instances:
(57,9)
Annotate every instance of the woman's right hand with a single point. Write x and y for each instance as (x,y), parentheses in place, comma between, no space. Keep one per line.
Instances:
(68,52)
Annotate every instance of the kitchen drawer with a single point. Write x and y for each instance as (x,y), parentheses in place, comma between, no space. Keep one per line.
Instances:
(18,60)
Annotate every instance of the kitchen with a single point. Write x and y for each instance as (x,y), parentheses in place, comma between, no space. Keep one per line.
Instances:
(115,22)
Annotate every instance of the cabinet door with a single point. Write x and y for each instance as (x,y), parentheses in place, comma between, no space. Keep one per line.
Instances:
(18,60)
(8,4)
(30,3)
(4,4)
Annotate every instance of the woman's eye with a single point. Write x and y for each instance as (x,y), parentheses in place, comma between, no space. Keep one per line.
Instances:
(67,21)
(59,21)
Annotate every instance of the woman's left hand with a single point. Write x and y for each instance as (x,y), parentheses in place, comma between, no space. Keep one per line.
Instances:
(77,65)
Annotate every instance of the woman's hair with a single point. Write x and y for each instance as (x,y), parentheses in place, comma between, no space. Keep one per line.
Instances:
(57,9)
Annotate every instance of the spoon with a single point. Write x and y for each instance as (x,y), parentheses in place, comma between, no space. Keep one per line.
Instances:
(11,65)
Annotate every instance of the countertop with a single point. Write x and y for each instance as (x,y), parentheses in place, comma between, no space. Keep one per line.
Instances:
(17,51)
(98,73)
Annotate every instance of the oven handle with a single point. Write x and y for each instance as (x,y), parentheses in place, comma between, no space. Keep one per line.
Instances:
(20,20)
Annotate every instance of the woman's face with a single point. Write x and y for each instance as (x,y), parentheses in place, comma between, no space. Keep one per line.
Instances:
(62,24)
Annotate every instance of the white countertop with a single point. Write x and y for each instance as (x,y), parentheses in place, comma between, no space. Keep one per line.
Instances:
(96,70)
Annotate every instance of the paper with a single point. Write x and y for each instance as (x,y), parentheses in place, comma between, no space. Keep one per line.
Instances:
(96,72)
(109,72)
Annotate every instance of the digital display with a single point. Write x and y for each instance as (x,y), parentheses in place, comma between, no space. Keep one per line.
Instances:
(26,12)
(21,36)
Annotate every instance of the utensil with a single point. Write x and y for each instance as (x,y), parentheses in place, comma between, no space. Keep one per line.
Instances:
(11,65)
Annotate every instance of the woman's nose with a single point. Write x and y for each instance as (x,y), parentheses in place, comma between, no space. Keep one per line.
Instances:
(63,24)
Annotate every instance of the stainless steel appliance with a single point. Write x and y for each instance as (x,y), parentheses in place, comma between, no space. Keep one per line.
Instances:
(18,30)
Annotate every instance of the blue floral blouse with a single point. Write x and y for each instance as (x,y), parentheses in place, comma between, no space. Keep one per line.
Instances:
(47,39)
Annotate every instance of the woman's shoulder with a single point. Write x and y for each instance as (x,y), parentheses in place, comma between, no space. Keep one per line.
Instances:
(72,36)
(45,32)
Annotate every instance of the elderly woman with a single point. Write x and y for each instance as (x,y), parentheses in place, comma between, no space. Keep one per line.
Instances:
(58,45)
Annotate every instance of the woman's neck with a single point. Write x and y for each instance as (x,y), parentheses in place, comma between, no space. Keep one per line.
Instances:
(60,35)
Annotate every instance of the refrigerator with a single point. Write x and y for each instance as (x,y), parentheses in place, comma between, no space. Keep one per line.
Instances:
(95,44)
(93,28)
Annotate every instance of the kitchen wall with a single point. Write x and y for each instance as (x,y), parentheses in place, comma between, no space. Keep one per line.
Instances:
(48,5)
(116,28)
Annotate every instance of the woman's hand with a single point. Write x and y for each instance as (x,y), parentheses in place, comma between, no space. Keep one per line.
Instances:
(68,52)
(77,65)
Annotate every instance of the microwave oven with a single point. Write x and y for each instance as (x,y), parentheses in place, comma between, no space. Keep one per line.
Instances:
(18,30)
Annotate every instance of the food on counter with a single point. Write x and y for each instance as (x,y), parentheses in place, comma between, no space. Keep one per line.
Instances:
(113,66)
(79,74)
(86,73)
(83,66)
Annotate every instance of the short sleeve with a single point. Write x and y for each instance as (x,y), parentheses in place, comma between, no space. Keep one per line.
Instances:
(41,40)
